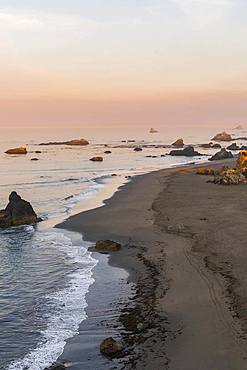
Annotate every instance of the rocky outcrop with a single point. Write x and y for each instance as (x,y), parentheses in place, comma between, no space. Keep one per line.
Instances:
(75,142)
(19,150)
(107,152)
(17,212)
(187,152)
(137,149)
(206,146)
(222,154)
(111,348)
(96,159)
(179,143)
(233,146)
(222,136)
(239,127)
(107,246)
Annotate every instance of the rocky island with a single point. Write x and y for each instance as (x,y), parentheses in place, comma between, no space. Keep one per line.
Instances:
(18,212)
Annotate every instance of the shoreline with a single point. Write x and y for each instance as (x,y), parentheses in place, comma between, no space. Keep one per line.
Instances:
(153,329)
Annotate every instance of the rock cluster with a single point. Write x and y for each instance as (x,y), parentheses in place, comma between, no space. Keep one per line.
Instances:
(17,212)
(19,150)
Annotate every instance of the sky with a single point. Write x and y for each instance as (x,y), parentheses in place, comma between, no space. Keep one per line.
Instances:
(123,62)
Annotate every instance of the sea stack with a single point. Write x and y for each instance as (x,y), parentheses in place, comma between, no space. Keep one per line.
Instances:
(18,212)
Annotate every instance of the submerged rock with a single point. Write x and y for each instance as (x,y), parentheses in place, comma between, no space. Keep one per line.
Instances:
(96,159)
(76,142)
(137,149)
(222,154)
(222,136)
(34,159)
(187,152)
(107,246)
(17,212)
(110,347)
(179,143)
(107,152)
(19,150)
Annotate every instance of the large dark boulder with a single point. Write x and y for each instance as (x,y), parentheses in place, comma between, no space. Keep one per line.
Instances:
(187,152)
(17,212)
(222,154)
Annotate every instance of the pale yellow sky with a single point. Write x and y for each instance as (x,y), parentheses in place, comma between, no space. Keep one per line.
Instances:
(148,58)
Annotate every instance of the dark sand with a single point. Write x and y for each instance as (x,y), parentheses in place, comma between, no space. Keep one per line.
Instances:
(185,247)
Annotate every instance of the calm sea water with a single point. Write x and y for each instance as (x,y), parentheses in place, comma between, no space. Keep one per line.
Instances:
(44,273)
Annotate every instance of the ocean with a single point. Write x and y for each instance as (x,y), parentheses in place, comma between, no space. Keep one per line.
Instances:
(46,274)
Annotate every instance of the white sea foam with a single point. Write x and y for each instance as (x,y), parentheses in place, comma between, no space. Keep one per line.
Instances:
(68,306)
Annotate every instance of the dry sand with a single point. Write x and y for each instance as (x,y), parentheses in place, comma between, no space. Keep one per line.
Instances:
(185,247)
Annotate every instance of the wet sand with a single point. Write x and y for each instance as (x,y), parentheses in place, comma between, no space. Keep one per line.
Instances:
(184,245)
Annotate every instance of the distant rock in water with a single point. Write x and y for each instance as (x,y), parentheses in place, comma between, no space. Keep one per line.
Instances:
(110,347)
(222,136)
(187,152)
(75,142)
(19,150)
(153,131)
(96,159)
(179,143)
(17,212)
(233,146)
(239,127)
(222,154)
(107,152)
(137,149)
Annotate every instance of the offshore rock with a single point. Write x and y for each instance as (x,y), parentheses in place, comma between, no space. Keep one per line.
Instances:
(19,150)
(96,159)
(75,142)
(233,146)
(179,143)
(222,136)
(222,154)
(17,212)
(187,152)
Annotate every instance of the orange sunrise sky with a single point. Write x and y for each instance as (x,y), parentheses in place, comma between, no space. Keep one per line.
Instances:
(123,62)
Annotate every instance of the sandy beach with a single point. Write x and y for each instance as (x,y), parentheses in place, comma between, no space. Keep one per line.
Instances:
(184,247)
